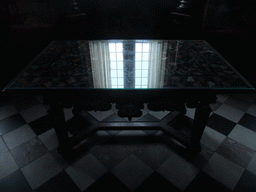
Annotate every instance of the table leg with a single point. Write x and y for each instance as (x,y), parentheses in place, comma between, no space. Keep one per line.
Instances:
(201,117)
(58,118)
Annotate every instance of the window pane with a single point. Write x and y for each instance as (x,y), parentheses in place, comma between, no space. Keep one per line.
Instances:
(137,73)
(145,47)
(113,73)
(119,56)
(114,86)
(145,65)
(120,73)
(137,56)
(144,86)
(112,47)
(145,56)
(144,73)
(120,65)
(113,65)
(144,81)
(137,86)
(119,47)
(137,81)
(113,56)
(120,82)
(138,47)
(137,65)
(114,81)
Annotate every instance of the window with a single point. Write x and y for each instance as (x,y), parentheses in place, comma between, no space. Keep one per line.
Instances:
(116,65)
(141,64)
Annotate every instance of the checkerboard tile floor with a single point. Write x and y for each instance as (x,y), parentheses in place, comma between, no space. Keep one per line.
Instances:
(127,160)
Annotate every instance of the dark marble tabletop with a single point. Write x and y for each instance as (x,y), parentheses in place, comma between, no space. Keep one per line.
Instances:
(134,64)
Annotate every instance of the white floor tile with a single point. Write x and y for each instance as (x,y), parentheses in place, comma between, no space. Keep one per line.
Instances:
(252,110)
(18,136)
(100,115)
(178,171)
(7,111)
(223,170)
(41,170)
(222,98)
(252,165)
(132,171)
(160,114)
(68,114)
(230,113)
(244,136)
(238,103)
(3,146)
(49,139)
(34,113)
(7,164)
(86,171)
(212,139)
(191,112)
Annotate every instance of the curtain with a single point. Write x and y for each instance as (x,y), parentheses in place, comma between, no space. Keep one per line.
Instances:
(100,61)
(157,64)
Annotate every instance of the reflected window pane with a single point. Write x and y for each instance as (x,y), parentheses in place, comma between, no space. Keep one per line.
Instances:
(137,56)
(119,56)
(112,47)
(138,47)
(114,86)
(137,81)
(145,65)
(120,73)
(144,81)
(145,47)
(144,73)
(113,65)
(113,56)
(144,86)
(114,81)
(137,86)
(119,47)
(137,65)
(120,65)
(137,73)
(145,56)
(113,73)
(120,82)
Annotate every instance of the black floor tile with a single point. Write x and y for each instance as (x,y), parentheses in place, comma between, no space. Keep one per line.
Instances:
(156,182)
(246,183)
(15,182)
(108,182)
(114,117)
(220,124)
(41,125)
(203,182)
(248,121)
(10,123)
(61,182)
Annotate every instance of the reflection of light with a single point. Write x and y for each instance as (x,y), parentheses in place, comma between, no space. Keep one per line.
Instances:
(116,65)
(141,65)
(75,4)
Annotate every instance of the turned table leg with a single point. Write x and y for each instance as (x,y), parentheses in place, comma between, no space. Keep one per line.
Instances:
(60,126)
(201,117)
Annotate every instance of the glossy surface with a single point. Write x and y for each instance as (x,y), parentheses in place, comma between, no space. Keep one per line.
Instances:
(133,64)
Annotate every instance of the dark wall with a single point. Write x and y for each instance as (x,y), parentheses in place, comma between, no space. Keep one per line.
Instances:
(26,32)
